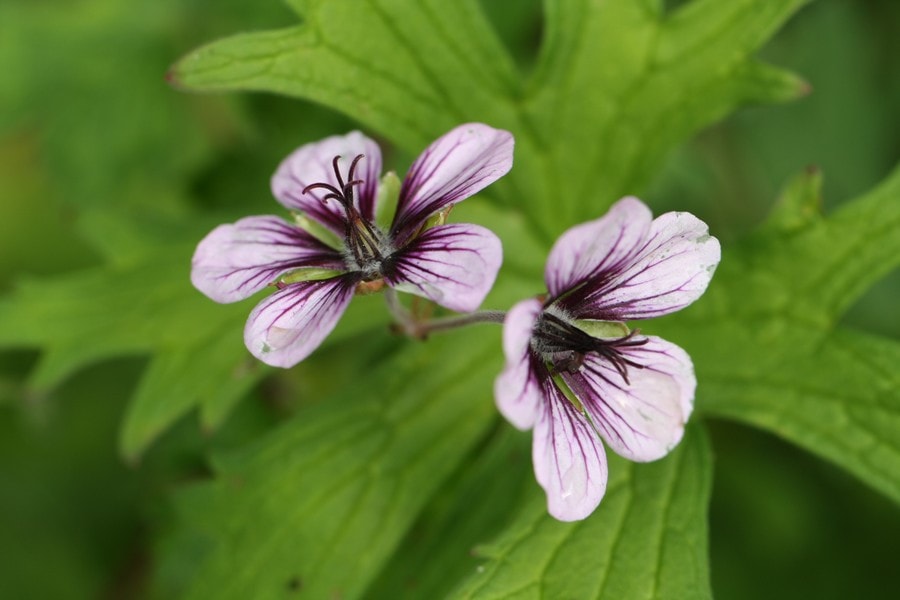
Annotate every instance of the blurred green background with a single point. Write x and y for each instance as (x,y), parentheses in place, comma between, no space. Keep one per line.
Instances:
(89,129)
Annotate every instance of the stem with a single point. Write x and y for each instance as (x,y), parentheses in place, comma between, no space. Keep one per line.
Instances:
(407,324)
(403,318)
(445,323)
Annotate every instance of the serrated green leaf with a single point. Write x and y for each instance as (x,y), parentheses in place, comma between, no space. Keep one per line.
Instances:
(647,540)
(772,313)
(332,492)
(618,84)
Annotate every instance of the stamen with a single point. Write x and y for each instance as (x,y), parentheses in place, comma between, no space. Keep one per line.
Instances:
(353,164)
(343,192)
(334,192)
(337,170)
(564,346)
(363,240)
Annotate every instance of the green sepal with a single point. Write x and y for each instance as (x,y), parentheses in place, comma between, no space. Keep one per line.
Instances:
(563,387)
(318,231)
(308,274)
(603,329)
(387,200)
(438,218)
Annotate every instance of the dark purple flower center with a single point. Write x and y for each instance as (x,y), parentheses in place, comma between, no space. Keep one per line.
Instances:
(366,246)
(562,346)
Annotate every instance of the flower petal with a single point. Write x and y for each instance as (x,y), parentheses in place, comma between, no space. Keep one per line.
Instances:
(287,326)
(453,265)
(456,166)
(312,163)
(597,249)
(517,389)
(671,270)
(569,460)
(235,261)
(643,419)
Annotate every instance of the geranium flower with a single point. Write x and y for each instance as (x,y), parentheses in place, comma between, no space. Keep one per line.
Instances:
(574,370)
(336,245)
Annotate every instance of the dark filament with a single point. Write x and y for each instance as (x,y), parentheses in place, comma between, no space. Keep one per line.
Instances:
(360,237)
(566,346)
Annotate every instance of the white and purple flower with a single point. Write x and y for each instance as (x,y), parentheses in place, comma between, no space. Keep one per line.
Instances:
(574,370)
(337,246)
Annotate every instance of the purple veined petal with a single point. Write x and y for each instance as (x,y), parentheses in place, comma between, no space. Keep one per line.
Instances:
(517,389)
(457,165)
(312,163)
(237,260)
(569,460)
(597,249)
(644,419)
(672,270)
(287,326)
(452,265)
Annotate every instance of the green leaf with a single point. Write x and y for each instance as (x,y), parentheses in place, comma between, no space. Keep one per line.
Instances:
(647,539)
(147,306)
(476,504)
(618,84)
(333,491)
(772,312)
(411,68)
(215,373)
(144,307)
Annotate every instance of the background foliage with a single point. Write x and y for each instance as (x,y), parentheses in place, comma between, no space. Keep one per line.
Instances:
(144,454)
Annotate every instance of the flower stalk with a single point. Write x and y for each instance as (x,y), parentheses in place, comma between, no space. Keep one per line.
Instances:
(408,324)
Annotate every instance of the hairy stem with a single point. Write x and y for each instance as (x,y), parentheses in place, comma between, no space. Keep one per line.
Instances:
(405,321)
(445,323)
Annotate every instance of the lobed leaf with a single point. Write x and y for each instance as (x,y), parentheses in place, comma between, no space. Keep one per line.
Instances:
(145,306)
(476,503)
(767,346)
(648,539)
(322,502)
(409,71)
(618,84)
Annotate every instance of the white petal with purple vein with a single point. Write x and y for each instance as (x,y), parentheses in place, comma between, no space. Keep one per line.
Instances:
(517,389)
(452,265)
(569,460)
(312,163)
(287,326)
(237,260)
(457,165)
(643,419)
(672,270)
(601,246)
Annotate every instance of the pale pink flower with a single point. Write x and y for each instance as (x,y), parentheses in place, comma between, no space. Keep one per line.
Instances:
(334,184)
(576,374)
